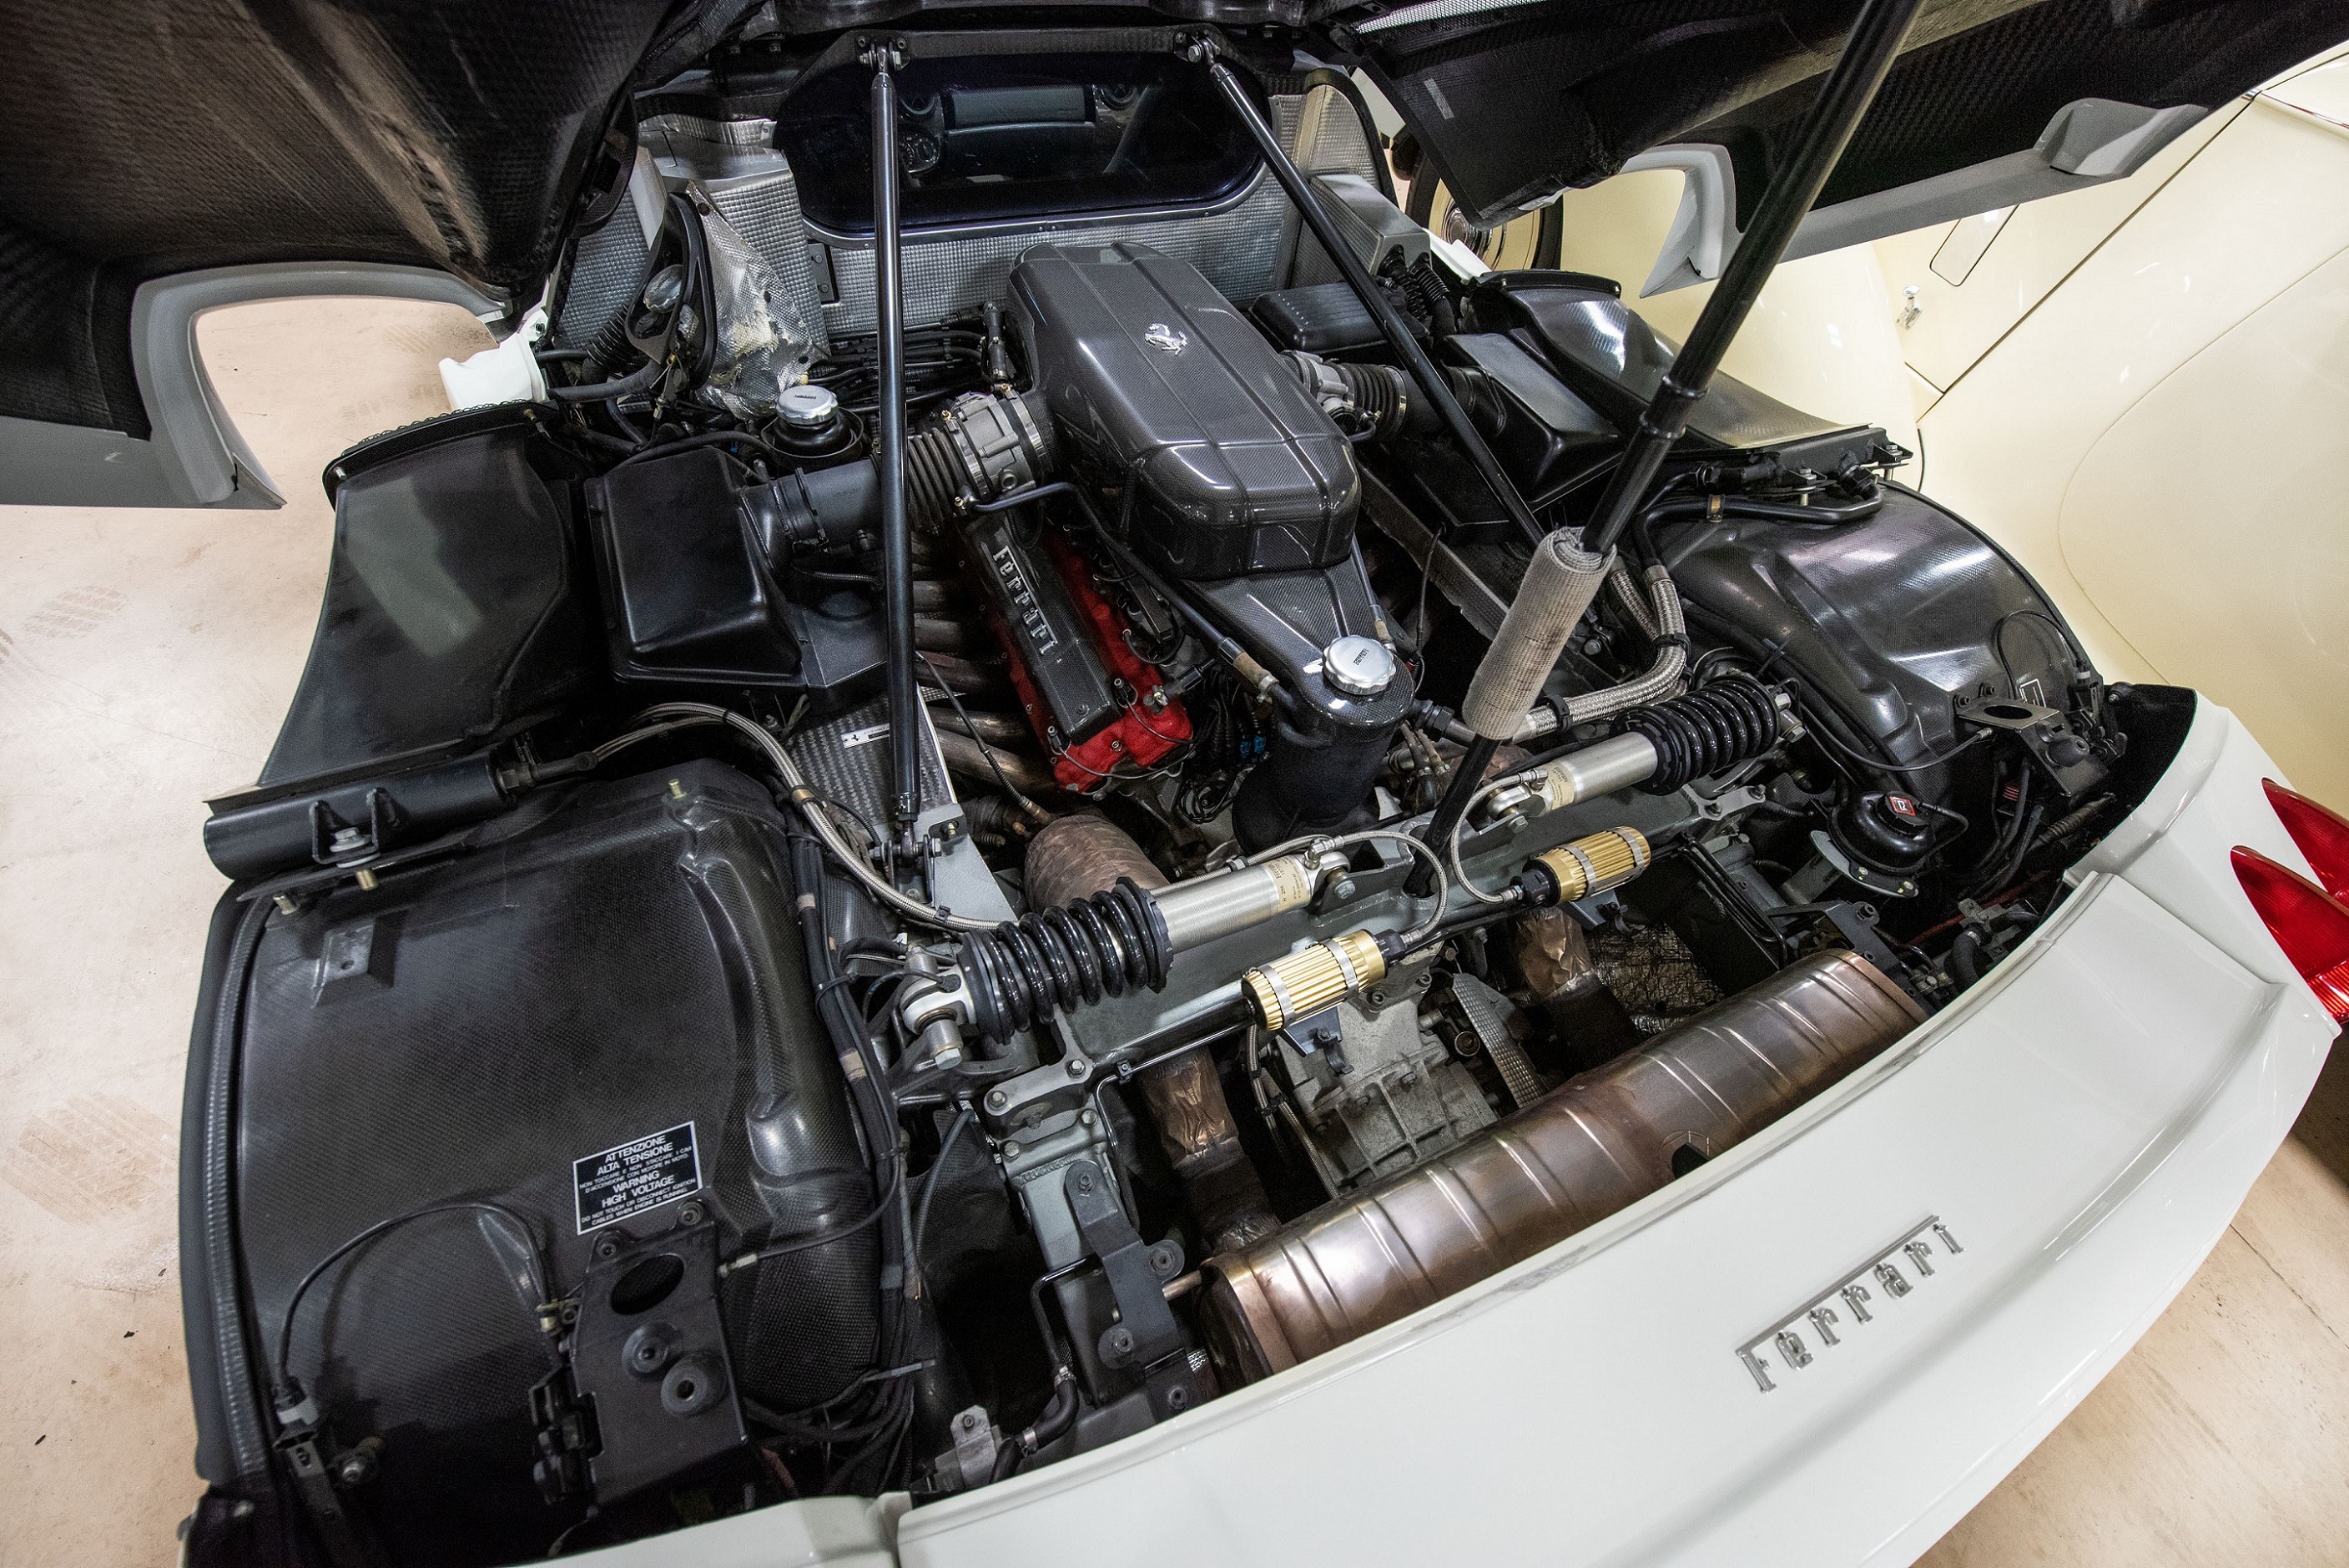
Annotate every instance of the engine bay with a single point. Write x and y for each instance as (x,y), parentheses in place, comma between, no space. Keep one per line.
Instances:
(673,1047)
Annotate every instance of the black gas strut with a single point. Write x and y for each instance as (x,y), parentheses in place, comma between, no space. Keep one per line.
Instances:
(896,543)
(1834,114)
(1390,322)
(1843,98)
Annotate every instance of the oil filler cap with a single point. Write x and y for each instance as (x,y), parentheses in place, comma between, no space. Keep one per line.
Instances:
(1357,666)
(807,407)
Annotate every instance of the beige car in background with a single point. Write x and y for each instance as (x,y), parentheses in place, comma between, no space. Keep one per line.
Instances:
(2140,388)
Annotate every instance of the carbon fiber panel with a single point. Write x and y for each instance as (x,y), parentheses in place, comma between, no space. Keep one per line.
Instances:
(847,759)
(1237,249)
(624,963)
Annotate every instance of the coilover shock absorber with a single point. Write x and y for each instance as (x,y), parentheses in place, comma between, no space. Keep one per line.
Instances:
(1731,719)
(1058,959)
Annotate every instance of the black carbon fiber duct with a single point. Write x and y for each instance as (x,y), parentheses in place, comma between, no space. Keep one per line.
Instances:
(623,966)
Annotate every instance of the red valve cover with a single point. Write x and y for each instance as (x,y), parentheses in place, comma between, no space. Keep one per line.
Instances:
(1141,736)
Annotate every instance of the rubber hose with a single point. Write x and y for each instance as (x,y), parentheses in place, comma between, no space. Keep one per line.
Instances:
(1965,957)
(933,478)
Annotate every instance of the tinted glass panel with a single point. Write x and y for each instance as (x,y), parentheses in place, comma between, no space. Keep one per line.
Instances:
(1016,137)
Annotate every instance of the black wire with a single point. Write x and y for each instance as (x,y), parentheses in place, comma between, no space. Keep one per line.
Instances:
(1820,732)
(985,749)
(930,1184)
(808,1243)
(708,437)
(294,1302)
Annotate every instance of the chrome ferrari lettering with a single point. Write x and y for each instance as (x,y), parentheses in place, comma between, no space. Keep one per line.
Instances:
(1883,1267)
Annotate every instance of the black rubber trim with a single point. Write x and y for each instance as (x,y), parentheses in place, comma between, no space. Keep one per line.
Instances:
(231,1437)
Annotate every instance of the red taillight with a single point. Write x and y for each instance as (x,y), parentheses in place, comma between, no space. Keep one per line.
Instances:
(2323,836)
(2309,924)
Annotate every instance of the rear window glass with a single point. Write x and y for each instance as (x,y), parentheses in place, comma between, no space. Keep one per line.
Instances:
(998,137)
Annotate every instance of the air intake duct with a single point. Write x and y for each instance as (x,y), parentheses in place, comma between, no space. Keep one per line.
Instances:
(985,445)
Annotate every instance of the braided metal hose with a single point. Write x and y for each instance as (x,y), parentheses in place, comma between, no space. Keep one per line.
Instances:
(1662,680)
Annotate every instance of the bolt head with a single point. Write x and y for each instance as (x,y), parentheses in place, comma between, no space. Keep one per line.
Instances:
(1077,1067)
(996,1099)
(1343,889)
(1378,998)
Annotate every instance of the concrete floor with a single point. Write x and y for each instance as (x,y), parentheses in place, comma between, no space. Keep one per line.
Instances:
(145,661)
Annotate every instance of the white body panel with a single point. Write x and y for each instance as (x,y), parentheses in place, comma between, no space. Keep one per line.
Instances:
(2084,1123)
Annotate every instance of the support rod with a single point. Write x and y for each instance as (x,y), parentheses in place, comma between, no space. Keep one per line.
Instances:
(1396,329)
(1850,86)
(897,541)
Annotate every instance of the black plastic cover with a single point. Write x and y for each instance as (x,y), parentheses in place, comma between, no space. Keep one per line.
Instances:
(450,614)
(1602,349)
(338,824)
(1320,318)
(625,967)
(1543,433)
(1153,376)
(142,138)
(1514,103)
(687,592)
(1892,620)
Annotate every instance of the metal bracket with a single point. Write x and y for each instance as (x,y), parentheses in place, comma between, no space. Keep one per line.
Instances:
(2046,732)
(649,1355)
(1145,1335)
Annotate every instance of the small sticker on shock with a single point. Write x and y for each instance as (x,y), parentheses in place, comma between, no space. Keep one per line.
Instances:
(636,1177)
(1290,883)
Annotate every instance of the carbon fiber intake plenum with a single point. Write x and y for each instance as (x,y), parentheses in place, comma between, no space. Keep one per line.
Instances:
(1598,1143)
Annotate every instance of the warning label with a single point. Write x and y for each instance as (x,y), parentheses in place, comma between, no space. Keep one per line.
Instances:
(636,1177)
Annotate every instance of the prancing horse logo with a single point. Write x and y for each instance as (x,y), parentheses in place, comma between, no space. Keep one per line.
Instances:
(1164,338)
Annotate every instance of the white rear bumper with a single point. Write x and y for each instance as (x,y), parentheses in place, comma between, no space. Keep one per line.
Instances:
(2084,1122)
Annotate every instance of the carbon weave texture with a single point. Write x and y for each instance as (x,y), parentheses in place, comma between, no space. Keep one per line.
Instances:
(629,965)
